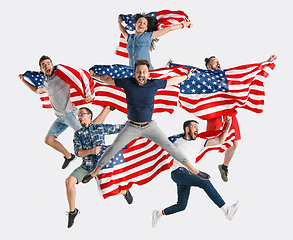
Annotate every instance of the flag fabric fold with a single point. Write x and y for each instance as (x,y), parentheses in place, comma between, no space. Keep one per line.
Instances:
(164,18)
(211,93)
(142,160)
(80,81)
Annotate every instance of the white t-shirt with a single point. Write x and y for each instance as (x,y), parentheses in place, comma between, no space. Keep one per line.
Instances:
(190,148)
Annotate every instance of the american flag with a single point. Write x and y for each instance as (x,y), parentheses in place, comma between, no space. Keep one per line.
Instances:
(142,160)
(138,163)
(212,93)
(164,18)
(165,99)
(80,81)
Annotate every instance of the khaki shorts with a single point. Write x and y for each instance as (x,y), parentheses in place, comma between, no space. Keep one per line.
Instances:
(79,173)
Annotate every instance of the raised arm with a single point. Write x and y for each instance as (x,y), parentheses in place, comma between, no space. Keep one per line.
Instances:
(165,30)
(122,29)
(103,78)
(178,79)
(222,138)
(271,58)
(30,86)
(102,116)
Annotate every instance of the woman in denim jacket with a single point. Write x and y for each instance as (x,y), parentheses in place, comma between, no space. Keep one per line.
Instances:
(141,42)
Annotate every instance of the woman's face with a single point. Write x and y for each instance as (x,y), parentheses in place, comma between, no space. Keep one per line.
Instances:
(141,25)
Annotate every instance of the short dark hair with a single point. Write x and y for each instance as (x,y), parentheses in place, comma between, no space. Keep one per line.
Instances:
(207,60)
(140,62)
(88,111)
(188,123)
(44,57)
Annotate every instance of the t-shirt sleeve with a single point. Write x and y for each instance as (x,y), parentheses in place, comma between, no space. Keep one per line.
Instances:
(120,82)
(203,142)
(161,83)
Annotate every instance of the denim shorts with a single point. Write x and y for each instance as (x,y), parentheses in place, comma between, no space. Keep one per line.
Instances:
(63,122)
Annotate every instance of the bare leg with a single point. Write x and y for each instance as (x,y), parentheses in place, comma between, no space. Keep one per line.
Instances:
(71,192)
(52,142)
(229,153)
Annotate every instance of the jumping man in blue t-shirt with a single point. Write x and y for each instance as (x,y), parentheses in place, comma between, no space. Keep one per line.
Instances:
(140,93)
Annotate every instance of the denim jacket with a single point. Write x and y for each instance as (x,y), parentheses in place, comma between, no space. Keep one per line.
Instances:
(138,47)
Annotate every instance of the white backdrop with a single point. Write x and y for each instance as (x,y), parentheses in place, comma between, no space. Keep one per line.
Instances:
(83,33)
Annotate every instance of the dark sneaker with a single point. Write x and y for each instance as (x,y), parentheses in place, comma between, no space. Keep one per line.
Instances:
(128,197)
(72,216)
(201,175)
(87,178)
(68,161)
(224,173)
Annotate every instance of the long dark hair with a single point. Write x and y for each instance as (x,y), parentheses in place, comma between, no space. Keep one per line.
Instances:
(152,25)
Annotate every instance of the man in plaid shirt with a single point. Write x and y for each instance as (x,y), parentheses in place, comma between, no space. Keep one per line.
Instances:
(87,143)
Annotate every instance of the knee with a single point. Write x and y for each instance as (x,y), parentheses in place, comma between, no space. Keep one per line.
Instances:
(70,182)
(181,206)
(49,139)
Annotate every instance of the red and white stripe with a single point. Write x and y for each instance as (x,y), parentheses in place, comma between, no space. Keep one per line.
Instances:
(246,90)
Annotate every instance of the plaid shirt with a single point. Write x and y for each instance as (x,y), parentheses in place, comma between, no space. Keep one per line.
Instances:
(89,137)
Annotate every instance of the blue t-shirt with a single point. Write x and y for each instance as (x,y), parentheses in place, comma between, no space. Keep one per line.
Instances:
(140,99)
(138,47)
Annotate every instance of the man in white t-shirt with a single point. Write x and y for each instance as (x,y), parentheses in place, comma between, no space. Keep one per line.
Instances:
(190,146)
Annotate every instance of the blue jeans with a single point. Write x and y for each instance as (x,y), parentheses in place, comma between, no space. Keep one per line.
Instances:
(184,182)
(63,122)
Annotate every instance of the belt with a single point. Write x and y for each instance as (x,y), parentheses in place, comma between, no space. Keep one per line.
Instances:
(141,125)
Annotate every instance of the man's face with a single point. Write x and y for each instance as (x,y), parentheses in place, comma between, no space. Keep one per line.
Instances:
(47,68)
(84,118)
(192,131)
(214,64)
(141,74)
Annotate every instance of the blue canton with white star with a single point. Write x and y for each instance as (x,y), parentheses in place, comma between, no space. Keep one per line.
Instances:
(204,81)
(115,71)
(116,160)
(37,78)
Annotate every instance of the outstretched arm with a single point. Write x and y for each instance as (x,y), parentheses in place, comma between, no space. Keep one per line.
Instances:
(222,138)
(165,30)
(103,78)
(178,79)
(102,116)
(122,29)
(271,58)
(30,86)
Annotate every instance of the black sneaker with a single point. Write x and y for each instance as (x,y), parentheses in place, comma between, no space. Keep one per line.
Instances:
(128,197)
(201,175)
(68,161)
(72,216)
(224,173)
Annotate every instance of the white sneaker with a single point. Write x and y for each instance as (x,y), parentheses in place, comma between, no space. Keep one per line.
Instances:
(155,218)
(232,210)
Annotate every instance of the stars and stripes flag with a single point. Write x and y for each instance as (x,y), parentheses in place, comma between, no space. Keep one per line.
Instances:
(165,99)
(142,160)
(164,18)
(80,81)
(212,93)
